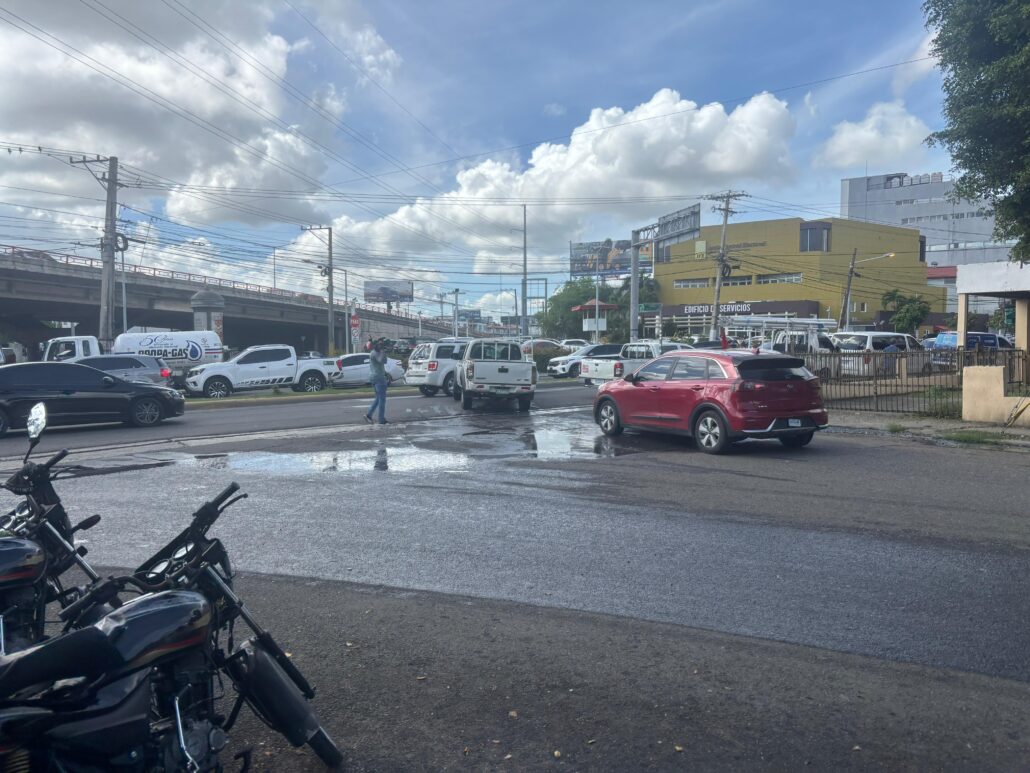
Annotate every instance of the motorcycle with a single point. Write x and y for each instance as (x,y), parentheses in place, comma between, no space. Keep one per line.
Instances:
(134,684)
(36,547)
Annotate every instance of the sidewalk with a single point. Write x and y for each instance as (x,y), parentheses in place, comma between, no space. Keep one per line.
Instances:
(953,431)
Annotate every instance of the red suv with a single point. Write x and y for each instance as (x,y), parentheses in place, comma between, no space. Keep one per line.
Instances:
(716,397)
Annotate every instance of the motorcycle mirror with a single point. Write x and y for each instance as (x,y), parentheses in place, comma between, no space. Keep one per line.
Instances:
(35,425)
(87,523)
(37,421)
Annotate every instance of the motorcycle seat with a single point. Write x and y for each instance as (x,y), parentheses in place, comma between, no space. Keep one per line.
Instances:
(86,653)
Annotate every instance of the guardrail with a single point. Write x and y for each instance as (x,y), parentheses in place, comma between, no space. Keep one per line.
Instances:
(213,281)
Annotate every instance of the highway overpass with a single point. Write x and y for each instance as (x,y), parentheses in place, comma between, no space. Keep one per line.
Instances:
(37,286)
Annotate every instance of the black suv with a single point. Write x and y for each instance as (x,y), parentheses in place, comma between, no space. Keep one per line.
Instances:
(77,394)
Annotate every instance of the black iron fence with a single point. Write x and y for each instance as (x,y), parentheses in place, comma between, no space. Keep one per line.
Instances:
(927,382)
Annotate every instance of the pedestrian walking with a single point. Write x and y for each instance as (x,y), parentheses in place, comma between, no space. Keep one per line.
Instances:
(377,366)
(890,358)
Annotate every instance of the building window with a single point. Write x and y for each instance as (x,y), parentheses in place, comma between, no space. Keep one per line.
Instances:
(922,249)
(736,281)
(776,279)
(856,306)
(686,284)
(815,237)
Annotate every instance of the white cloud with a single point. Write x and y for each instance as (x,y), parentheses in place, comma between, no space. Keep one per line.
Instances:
(810,106)
(372,53)
(554,109)
(667,145)
(909,74)
(496,304)
(888,134)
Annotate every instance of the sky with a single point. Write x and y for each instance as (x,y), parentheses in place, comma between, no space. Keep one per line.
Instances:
(418,130)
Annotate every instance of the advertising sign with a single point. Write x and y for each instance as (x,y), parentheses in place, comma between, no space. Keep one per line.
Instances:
(470,315)
(607,258)
(388,290)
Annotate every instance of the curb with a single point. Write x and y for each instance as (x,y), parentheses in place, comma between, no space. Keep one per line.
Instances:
(205,404)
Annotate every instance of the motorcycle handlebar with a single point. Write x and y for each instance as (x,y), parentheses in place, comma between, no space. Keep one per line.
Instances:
(98,594)
(231,489)
(54,459)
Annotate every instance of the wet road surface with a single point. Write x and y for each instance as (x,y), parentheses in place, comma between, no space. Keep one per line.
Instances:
(542,509)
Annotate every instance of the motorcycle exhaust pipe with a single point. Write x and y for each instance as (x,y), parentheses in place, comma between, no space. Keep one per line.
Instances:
(271,693)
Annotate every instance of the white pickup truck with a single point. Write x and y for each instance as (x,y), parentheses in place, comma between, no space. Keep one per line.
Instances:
(261,367)
(631,357)
(494,368)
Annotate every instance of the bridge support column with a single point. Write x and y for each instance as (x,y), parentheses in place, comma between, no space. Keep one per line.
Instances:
(209,312)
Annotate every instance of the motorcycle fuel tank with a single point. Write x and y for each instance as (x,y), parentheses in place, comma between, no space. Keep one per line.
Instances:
(157,625)
(22,562)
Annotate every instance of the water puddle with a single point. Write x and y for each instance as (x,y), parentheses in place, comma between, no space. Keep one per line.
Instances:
(403,459)
(555,445)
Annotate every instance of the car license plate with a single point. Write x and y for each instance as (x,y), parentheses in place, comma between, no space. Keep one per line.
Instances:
(793,422)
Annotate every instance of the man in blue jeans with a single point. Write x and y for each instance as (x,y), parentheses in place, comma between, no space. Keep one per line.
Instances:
(377,365)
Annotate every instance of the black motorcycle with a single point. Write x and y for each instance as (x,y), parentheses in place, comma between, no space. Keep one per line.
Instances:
(36,548)
(134,684)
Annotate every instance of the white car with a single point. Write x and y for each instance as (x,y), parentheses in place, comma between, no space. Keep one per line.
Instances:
(572,344)
(431,367)
(261,367)
(495,368)
(568,364)
(355,371)
(858,350)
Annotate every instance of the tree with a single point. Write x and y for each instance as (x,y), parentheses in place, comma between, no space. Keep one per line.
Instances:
(892,299)
(984,51)
(909,310)
(559,322)
(998,320)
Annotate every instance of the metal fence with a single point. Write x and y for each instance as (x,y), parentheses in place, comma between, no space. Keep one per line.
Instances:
(923,382)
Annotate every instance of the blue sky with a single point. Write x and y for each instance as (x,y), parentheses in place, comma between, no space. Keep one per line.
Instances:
(690,78)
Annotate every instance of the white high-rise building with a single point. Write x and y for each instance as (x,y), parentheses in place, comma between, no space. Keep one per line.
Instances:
(956,232)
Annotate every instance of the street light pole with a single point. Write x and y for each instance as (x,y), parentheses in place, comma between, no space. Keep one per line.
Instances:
(524,327)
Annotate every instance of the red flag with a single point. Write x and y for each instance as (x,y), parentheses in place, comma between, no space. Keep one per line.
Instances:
(722,338)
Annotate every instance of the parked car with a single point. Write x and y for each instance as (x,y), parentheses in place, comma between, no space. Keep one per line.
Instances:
(354,371)
(568,365)
(980,348)
(7,356)
(717,398)
(78,394)
(261,367)
(138,367)
(852,345)
(495,368)
(631,356)
(535,346)
(431,367)
(572,344)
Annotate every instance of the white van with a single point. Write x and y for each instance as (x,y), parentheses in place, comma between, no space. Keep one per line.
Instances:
(181,351)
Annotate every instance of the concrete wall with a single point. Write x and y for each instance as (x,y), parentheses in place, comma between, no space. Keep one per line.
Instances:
(983,397)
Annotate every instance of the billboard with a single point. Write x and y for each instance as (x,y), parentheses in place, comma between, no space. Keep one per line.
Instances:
(389,291)
(607,258)
(470,315)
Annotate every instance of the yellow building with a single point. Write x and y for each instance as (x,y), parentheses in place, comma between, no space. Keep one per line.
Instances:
(795,267)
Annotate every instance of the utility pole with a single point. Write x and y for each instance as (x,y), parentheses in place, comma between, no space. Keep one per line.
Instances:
(327,272)
(634,289)
(845,311)
(722,266)
(524,326)
(107,245)
(597,309)
(455,291)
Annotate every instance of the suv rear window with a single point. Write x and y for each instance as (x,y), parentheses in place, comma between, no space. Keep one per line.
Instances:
(495,351)
(774,369)
(421,352)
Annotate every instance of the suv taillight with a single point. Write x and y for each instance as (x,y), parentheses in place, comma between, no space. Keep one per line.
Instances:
(166,373)
(433,364)
(619,367)
(749,386)
(339,364)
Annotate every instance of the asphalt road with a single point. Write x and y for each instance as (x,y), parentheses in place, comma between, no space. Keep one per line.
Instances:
(875,574)
(283,416)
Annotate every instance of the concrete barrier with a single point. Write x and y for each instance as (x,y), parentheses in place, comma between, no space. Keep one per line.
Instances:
(983,397)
